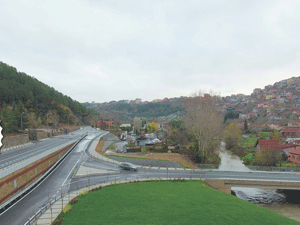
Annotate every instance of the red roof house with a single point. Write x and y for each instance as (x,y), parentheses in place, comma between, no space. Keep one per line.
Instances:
(295,155)
(290,132)
(262,144)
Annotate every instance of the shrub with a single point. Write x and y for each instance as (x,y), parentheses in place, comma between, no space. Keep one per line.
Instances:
(83,193)
(144,150)
(73,201)
(58,220)
(67,208)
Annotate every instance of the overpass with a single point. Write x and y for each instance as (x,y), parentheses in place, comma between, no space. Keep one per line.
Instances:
(225,185)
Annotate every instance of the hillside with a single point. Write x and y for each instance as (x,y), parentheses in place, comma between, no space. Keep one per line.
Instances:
(39,103)
(167,109)
(277,103)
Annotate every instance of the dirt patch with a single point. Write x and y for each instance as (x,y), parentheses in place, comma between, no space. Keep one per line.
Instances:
(174,157)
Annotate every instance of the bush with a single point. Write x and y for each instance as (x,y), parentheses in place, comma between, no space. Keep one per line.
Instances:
(239,151)
(83,193)
(73,201)
(144,149)
(67,208)
(248,159)
(58,220)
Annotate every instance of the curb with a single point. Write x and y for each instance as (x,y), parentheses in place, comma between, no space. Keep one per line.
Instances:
(4,150)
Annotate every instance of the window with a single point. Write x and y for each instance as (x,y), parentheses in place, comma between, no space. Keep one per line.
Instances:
(293,157)
(298,158)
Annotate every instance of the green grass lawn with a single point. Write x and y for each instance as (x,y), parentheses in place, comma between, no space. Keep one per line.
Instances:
(167,202)
(248,142)
(129,157)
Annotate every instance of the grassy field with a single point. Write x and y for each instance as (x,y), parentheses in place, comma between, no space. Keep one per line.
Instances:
(167,202)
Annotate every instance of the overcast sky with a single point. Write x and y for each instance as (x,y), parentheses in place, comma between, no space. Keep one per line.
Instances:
(93,50)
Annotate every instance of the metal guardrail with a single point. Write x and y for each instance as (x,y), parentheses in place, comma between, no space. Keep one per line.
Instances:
(35,184)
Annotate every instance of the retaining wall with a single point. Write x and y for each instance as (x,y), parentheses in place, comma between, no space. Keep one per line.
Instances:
(20,179)
(15,140)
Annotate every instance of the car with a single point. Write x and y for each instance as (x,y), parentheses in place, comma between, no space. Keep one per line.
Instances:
(128,166)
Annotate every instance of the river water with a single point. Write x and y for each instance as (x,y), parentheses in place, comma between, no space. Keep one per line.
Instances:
(267,198)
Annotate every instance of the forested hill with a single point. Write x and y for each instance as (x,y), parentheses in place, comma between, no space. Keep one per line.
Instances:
(40,103)
(126,112)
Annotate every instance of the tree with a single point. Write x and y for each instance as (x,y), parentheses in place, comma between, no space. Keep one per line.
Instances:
(204,122)
(246,126)
(275,135)
(52,117)
(268,157)
(231,135)
(152,127)
(137,123)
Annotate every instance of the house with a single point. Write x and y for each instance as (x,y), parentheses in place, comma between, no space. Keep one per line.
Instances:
(263,144)
(290,132)
(287,148)
(125,125)
(294,124)
(274,126)
(295,155)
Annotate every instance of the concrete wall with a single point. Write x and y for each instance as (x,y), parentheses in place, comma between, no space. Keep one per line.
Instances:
(22,178)
(225,185)
(15,140)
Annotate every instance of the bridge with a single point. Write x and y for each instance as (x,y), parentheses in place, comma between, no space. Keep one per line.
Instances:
(225,185)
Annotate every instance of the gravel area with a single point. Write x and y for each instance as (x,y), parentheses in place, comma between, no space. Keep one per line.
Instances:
(145,162)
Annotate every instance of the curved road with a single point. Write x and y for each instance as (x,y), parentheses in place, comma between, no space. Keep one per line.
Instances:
(11,157)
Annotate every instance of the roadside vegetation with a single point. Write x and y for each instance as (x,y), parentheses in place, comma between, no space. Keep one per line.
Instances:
(166,202)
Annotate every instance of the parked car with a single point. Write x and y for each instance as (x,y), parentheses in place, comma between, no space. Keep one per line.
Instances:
(128,166)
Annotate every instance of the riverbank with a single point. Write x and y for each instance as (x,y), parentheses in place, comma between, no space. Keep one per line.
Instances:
(269,199)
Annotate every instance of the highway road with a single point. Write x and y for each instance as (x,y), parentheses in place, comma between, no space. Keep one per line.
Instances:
(61,180)
(15,156)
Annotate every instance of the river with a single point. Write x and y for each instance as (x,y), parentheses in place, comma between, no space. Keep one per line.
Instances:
(267,198)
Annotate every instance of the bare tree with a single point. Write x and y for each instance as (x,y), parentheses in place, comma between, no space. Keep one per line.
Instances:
(137,123)
(204,122)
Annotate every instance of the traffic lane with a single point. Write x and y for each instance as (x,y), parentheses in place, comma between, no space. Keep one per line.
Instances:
(24,153)
(49,189)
